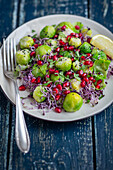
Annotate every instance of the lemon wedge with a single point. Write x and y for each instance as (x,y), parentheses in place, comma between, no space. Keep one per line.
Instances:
(103,43)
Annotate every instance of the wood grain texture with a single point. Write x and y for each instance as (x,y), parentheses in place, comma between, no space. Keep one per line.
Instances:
(53,145)
(103,122)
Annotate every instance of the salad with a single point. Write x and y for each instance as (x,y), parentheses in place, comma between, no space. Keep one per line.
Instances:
(61,69)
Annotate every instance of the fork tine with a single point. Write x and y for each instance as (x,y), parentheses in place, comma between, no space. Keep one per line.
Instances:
(4,55)
(8,57)
(12,55)
(14,43)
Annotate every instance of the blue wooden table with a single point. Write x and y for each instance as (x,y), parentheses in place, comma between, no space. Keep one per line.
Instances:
(78,145)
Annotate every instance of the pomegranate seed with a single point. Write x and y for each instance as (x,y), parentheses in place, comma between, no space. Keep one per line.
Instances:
(86,79)
(89,54)
(66,92)
(77,27)
(49,85)
(36,45)
(72,59)
(73,34)
(40,63)
(66,84)
(83,83)
(34,39)
(55,58)
(80,72)
(56,72)
(32,53)
(38,79)
(39,44)
(33,80)
(80,35)
(58,109)
(50,57)
(99,81)
(60,56)
(22,88)
(68,37)
(66,48)
(91,78)
(55,90)
(57,49)
(83,58)
(47,76)
(57,97)
(56,36)
(87,62)
(88,40)
(76,35)
(71,48)
(68,73)
(97,86)
(51,70)
(91,63)
(71,76)
(62,42)
(63,27)
(84,75)
(59,86)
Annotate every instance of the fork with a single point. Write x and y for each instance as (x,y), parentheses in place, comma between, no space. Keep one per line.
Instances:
(9,64)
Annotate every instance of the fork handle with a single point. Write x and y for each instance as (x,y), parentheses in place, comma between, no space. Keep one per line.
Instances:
(21,132)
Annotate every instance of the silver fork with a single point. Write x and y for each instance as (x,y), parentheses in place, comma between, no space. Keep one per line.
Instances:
(9,64)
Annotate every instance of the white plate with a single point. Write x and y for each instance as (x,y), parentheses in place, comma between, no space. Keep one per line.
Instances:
(38,24)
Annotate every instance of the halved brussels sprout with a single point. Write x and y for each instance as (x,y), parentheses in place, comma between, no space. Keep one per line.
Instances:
(39,70)
(23,57)
(75,42)
(72,102)
(76,65)
(26,42)
(42,50)
(55,78)
(63,64)
(75,84)
(38,94)
(47,32)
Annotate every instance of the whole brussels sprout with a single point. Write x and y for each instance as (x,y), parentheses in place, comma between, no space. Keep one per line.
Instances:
(26,42)
(68,26)
(72,102)
(85,47)
(63,64)
(42,50)
(76,65)
(75,42)
(55,78)
(23,57)
(47,32)
(38,95)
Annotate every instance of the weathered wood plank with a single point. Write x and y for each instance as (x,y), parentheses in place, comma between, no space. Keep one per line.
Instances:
(53,145)
(7,24)
(103,14)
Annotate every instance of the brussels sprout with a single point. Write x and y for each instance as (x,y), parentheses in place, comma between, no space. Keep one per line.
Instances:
(42,50)
(72,102)
(68,26)
(63,64)
(75,84)
(39,70)
(47,32)
(85,47)
(38,95)
(76,65)
(100,68)
(26,42)
(97,54)
(51,42)
(23,57)
(55,78)
(75,42)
